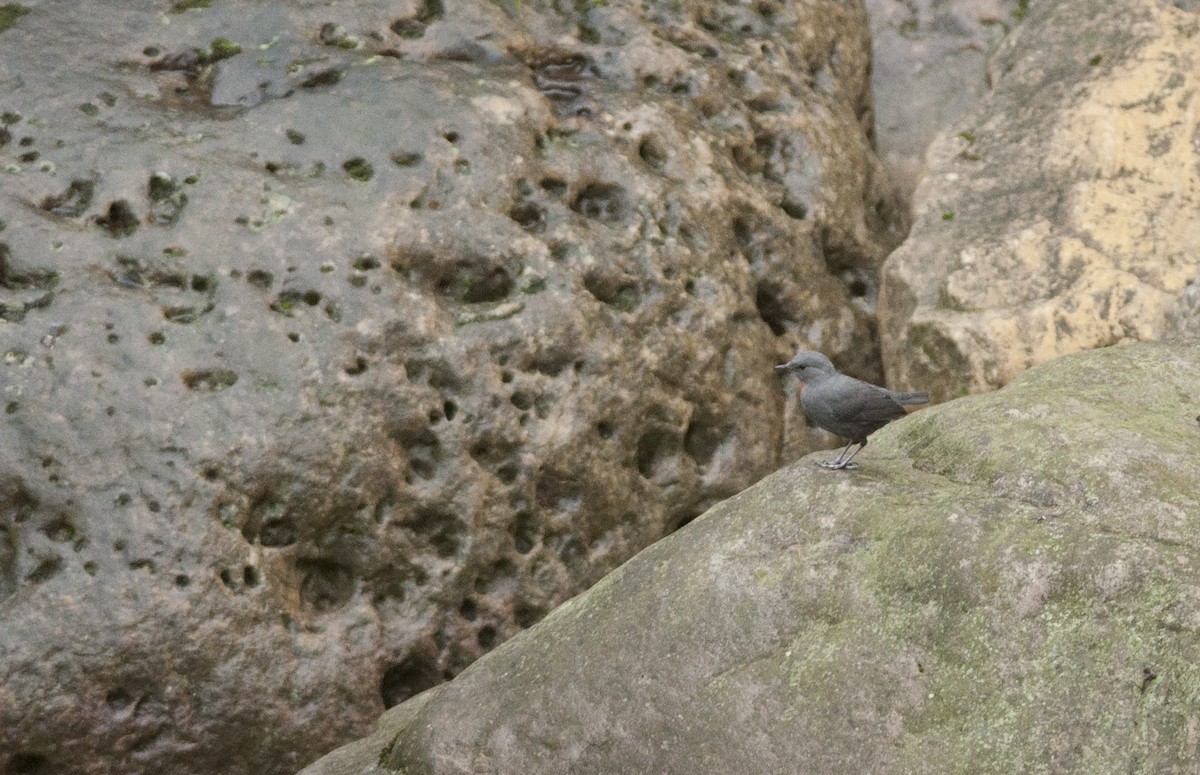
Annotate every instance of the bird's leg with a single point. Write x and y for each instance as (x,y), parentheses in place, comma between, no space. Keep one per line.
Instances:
(851,466)
(839,463)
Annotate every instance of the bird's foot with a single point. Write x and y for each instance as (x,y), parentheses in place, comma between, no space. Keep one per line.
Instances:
(837,466)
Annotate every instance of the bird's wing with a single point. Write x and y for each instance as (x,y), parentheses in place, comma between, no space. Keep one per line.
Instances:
(852,400)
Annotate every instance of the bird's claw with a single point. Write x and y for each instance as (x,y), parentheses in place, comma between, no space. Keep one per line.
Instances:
(836,466)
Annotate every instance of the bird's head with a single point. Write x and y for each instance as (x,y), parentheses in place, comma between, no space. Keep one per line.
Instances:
(807,365)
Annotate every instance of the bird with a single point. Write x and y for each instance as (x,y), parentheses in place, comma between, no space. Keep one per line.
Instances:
(843,405)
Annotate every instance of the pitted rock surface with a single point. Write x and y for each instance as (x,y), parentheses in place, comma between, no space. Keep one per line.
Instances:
(1059,214)
(344,341)
(1007,586)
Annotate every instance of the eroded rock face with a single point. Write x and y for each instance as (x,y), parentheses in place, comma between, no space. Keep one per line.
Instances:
(1059,215)
(344,342)
(1007,585)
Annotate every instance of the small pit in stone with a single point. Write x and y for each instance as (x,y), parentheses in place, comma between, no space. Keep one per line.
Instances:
(185,314)
(653,151)
(60,530)
(616,291)
(702,440)
(406,158)
(409,678)
(529,216)
(45,570)
(260,278)
(768,300)
(602,201)
(72,202)
(358,168)
(277,531)
(468,610)
(471,277)
(524,532)
(554,186)
(119,220)
(325,585)
(29,763)
(528,615)
(683,519)
(442,529)
(654,445)
(118,699)
(328,77)
(208,380)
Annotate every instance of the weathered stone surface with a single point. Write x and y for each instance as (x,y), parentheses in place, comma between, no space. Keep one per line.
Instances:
(1059,215)
(1008,585)
(344,340)
(928,68)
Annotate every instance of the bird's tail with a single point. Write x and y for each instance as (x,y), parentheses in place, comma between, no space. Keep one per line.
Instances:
(911,398)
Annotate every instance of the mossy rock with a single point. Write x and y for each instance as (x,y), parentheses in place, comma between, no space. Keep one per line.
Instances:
(1006,585)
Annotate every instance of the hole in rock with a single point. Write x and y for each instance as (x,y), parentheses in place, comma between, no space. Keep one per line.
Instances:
(768,300)
(468,610)
(118,699)
(408,678)
(652,447)
(326,584)
(602,201)
(653,151)
(119,220)
(524,532)
(208,380)
(702,440)
(27,763)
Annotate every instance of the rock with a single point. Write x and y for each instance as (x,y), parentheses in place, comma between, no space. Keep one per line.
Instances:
(1058,215)
(928,68)
(342,341)
(1007,585)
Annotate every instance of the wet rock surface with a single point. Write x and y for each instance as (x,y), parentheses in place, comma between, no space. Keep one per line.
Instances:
(343,342)
(1006,585)
(1058,215)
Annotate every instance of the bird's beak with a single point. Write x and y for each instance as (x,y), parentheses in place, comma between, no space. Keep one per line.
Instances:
(781,367)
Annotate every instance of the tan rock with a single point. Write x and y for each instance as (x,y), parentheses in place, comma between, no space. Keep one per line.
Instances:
(1060,214)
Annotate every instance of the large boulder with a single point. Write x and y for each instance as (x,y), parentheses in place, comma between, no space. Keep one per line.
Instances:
(344,340)
(1007,585)
(1059,214)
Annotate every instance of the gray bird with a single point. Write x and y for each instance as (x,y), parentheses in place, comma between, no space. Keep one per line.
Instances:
(849,407)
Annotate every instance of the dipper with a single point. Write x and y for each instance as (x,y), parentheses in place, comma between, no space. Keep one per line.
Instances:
(849,407)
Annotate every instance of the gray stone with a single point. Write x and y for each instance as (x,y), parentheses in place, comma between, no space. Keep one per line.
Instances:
(928,68)
(342,341)
(1012,589)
